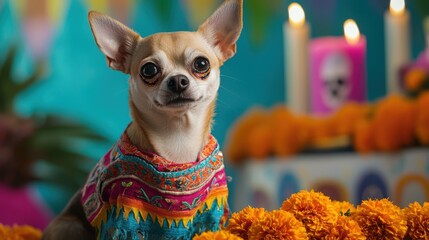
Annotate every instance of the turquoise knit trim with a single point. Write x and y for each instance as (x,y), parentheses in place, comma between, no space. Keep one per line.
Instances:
(117,227)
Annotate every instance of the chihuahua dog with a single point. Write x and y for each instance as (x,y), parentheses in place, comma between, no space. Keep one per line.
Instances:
(164,178)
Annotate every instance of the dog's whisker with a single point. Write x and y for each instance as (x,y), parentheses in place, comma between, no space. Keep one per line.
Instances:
(229,91)
(233,78)
(121,91)
(238,96)
(223,103)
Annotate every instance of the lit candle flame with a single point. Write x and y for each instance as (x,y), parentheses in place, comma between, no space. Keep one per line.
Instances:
(351,31)
(296,15)
(397,7)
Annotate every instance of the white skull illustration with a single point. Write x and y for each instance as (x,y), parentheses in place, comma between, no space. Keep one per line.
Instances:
(335,75)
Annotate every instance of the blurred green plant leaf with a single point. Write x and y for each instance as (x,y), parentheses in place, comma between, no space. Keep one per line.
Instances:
(48,138)
(56,142)
(66,178)
(53,128)
(6,66)
(423,7)
(163,8)
(200,10)
(261,14)
(11,87)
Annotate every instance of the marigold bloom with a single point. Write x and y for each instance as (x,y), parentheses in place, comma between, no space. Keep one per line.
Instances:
(23,232)
(4,231)
(346,118)
(321,130)
(380,219)
(220,235)
(304,126)
(414,79)
(277,225)
(236,148)
(259,142)
(417,217)
(289,133)
(394,123)
(343,207)
(345,228)
(314,210)
(363,138)
(240,222)
(422,126)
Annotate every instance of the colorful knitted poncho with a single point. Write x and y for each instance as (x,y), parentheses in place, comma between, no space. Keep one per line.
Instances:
(135,195)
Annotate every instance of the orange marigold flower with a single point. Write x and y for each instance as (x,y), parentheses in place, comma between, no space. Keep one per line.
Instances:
(304,133)
(220,235)
(380,219)
(394,123)
(277,225)
(23,232)
(422,125)
(4,231)
(321,130)
(236,147)
(363,138)
(345,228)
(259,142)
(280,113)
(343,207)
(415,78)
(314,210)
(346,118)
(417,217)
(289,133)
(240,222)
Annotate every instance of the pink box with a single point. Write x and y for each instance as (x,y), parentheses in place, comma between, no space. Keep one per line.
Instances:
(337,73)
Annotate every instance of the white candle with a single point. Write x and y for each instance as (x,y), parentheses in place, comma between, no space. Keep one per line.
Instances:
(296,34)
(396,23)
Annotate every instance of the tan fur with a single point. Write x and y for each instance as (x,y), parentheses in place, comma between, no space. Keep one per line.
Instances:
(209,120)
(172,49)
(136,131)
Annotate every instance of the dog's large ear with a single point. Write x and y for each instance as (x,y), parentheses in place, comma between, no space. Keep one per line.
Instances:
(115,40)
(223,28)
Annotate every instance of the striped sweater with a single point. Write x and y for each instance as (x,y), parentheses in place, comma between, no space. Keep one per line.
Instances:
(132,194)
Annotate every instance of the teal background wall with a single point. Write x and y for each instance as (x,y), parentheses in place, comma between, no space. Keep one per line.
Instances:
(79,85)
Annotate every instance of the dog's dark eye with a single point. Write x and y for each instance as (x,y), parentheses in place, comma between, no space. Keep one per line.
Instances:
(149,70)
(201,66)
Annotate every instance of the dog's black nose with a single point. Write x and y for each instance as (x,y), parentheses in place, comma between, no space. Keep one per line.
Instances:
(178,83)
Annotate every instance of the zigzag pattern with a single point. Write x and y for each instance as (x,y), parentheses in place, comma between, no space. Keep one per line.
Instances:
(133,220)
(123,210)
(126,195)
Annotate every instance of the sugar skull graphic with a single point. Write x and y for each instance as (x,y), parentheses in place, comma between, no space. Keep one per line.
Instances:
(335,75)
